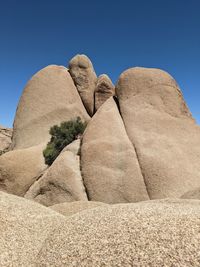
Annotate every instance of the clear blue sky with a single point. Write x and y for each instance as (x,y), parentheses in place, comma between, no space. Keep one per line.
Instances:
(116,35)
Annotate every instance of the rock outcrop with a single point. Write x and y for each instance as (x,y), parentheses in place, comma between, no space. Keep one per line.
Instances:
(70,208)
(104,90)
(161,129)
(20,168)
(84,76)
(153,233)
(193,194)
(49,98)
(109,164)
(5,138)
(62,182)
(24,226)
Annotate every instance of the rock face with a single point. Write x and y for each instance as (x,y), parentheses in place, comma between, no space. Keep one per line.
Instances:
(84,76)
(193,194)
(19,169)
(104,90)
(109,164)
(161,129)
(70,208)
(49,98)
(24,227)
(62,182)
(5,138)
(153,233)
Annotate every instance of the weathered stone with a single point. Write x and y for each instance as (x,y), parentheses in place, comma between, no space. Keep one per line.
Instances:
(71,208)
(62,182)
(104,90)
(161,128)
(20,168)
(84,76)
(5,138)
(49,98)
(152,233)
(109,164)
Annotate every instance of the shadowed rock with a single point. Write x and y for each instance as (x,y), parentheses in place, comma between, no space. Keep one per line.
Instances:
(104,90)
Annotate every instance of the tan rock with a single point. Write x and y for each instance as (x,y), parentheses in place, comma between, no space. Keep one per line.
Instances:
(20,168)
(151,233)
(49,98)
(104,90)
(193,194)
(71,208)
(84,76)
(109,165)
(5,138)
(24,226)
(62,182)
(161,128)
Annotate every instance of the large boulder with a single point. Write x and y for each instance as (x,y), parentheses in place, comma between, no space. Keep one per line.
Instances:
(5,138)
(20,168)
(104,90)
(71,208)
(62,182)
(192,194)
(24,226)
(49,98)
(153,233)
(161,129)
(84,76)
(109,164)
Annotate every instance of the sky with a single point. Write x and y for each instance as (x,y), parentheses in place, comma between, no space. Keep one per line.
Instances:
(116,35)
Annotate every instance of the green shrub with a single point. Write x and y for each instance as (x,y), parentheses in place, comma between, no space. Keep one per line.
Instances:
(61,136)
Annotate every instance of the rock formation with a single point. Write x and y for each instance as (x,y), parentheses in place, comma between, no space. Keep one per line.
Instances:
(5,138)
(161,129)
(62,182)
(109,164)
(70,208)
(20,168)
(104,90)
(84,76)
(152,233)
(49,98)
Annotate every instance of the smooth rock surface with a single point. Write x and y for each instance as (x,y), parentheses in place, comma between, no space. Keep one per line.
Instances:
(109,164)
(152,233)
(161,128)
(62,182)
(84,76)
(104,90)
(20,168)
(71,208)
(49,98)
(193,194)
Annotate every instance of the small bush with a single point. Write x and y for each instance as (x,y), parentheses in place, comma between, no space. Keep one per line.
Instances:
(61,136)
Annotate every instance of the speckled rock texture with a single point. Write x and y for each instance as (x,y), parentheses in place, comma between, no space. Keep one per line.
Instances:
(104,90)
(24,226)
(84,77)
(71,208)
(49,98)
(5,138)
(153,233)
(20,168)
(109,164)
(62,182)
(161,129)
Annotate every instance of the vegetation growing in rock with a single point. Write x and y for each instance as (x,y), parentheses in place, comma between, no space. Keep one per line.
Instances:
(61,136)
